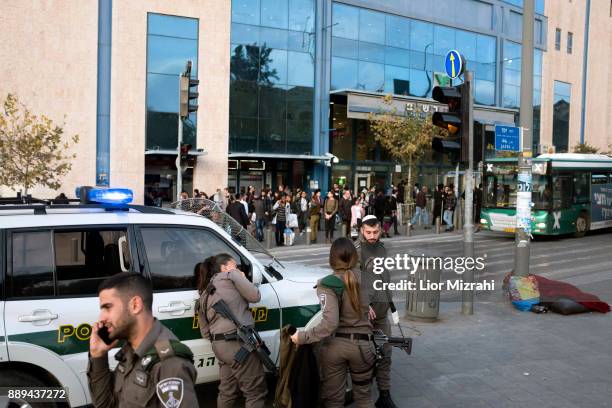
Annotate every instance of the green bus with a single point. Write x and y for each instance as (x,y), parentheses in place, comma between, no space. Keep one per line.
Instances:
(571,194)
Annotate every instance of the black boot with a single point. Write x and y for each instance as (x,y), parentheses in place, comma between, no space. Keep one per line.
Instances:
(385,401)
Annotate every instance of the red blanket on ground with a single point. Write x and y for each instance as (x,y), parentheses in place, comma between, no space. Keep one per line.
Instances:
(550,290)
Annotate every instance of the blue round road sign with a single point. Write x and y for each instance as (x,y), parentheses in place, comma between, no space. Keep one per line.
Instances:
(454,64)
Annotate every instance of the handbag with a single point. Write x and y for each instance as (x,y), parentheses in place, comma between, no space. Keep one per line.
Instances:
(292,221)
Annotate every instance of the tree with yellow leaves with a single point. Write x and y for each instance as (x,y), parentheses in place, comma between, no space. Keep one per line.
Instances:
(406,137)
(32,148)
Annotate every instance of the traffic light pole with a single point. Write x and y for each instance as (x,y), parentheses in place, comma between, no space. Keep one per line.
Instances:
(523,202)
(179,170)
(467,296)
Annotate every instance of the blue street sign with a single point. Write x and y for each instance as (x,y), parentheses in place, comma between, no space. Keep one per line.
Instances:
(454,64)
(507,138)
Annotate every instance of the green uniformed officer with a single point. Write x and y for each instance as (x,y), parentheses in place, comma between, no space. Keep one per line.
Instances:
(345,332)
(154,369)
(370,247)
(219,278)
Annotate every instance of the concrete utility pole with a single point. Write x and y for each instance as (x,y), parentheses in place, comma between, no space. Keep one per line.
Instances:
(467,296)
(523,201)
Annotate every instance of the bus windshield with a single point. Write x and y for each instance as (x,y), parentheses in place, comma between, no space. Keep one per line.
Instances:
(500,189)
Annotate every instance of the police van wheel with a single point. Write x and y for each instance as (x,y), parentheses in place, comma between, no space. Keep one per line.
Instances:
(582,225)
(15,379)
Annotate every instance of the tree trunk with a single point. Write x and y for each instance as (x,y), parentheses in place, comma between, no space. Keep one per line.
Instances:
(408,195)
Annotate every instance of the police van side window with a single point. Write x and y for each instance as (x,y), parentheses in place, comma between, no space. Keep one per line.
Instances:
(84,258)
(173,252)
(30,265)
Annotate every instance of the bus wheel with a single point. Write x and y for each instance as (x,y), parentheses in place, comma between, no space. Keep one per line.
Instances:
(582,225)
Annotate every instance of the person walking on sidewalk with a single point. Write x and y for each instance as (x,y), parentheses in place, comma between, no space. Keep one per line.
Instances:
(421,209)
(344,333)
(370,247)
(449,207)
(282,209)
(260,217)
(330,209)
(346,202)
(357,213)
(315,214)
(303,211)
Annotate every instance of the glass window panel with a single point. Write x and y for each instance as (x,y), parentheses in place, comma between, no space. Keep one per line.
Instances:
(345,21)
(417,60)
(272,66)
(538,30)
(299,103)
(341,47)
(243,98)
(421,34)
(476,14)
(562,91)
(273,38)
(434,62)
(398,31)
(301,15)
(484,92)
(510,96)
(272,135)
(32,264)
(444,40)
(302,41)
(161,130)
(272,102)
(245,34)
(420,83)
(512,55)
(397,80)
(371,76)
(466,44)
(537,62)
(485,48)
(344,73)
(275,13)
(512,77)
(173,26)
(485,71)
(162,93)
(167,55)
(539,6)
(301,69)
(397,56)
(365,144)
(371,52)
(245,11)
(515,25)
(537,99)
(371,26)
(244,62)
(243,134)
(299,136)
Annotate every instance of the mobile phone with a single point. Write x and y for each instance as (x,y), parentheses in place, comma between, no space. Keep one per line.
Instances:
(104,335)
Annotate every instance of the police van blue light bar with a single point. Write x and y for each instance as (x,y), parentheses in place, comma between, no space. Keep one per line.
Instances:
(109,196)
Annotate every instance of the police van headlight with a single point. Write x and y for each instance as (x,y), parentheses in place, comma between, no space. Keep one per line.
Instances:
(106,196)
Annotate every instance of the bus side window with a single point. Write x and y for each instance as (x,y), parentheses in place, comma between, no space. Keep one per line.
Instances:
(562,192)
(581,188)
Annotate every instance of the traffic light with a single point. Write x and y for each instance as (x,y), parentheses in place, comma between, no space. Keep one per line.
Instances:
(189,92)
(455,121)
(185,159)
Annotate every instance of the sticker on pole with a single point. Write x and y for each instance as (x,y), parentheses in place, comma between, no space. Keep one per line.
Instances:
(454,64)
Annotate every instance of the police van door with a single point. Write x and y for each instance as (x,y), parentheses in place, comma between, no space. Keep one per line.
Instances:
(52,296)
(171,254)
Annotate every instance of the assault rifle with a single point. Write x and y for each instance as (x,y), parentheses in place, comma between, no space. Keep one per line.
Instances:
(380,339)
(251,341)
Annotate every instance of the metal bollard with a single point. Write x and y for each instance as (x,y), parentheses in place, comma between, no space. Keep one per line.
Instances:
(437,225)
(408,229)
(269,238)
(307,233)
(343,230)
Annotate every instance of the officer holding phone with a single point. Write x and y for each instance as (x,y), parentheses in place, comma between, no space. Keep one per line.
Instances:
(155,369)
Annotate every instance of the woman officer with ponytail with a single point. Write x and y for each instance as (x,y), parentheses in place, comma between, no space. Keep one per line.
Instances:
(345,332)
(219,278)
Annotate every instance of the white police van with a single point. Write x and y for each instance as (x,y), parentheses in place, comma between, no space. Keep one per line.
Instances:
(54,256)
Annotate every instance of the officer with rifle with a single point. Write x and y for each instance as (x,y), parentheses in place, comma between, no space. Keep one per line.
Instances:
(225,319)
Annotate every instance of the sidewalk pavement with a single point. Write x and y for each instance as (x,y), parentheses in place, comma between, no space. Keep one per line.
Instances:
(500,357)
